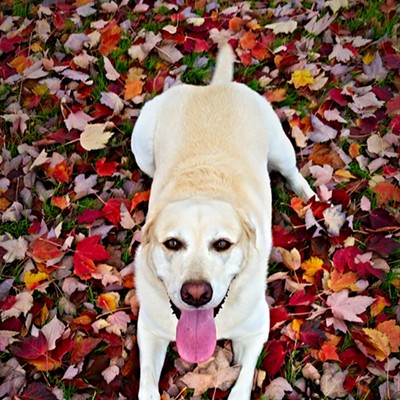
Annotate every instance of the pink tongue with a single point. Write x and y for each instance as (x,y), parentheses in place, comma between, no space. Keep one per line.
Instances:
(196,335)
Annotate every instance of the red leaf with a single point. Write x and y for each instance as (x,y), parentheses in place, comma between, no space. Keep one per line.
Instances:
(384,246)
(37,391)
(387,192)
(90,248)
(275,357)
(328,352)
(337,96)
(83,346)
(352,356)
(301,298)
(140,197)
(31,347)
(104,168)
(282,238)
(112,210)
(311,334)
(83,266)
(278,316)
(248,40)
(89,216)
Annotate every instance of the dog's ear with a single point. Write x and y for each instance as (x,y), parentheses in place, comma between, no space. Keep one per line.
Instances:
(147,231)
(248,226)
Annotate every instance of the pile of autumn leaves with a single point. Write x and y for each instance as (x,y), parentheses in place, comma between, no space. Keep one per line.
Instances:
(67,301)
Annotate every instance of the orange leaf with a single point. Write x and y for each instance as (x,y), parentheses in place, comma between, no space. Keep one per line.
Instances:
(378,344)
(354,150)
(387,192)
(341,281)
(139,197)
(46,249)
(378,306)
(235,24)
(259,52)
(109,38)
(133,88)
(276,96)
(248,41)
(322,154)
(32,279)
(108,301)
(392,331)
(60,202)
(61,172)
(328,352)
(21,63)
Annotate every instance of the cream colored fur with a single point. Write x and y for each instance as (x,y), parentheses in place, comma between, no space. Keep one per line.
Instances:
(208,150)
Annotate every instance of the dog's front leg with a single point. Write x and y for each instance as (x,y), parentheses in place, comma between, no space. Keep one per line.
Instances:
(246,352)
(152,350)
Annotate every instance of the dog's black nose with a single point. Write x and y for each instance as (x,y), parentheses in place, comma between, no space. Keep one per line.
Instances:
(196,293)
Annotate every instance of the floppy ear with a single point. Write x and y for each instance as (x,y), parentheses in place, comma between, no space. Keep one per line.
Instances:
(249,227)
(147,231)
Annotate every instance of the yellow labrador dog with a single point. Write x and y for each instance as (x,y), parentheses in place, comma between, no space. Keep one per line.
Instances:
(201,266)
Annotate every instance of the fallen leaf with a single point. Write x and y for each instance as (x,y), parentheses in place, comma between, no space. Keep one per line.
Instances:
(95,136)
(301,78)
(332,381)
(277,389)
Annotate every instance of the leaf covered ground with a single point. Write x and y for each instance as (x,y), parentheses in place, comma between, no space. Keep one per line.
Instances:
(73,77)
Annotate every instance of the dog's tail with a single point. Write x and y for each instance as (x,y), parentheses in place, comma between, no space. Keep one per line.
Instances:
(224,69)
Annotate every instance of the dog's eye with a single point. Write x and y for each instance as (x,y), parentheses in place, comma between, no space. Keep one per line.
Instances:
(173,244)
(221,245)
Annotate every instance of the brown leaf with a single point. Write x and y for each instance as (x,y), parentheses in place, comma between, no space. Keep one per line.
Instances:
(322,154)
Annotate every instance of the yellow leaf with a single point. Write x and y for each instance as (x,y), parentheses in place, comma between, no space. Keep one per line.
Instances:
(342,173)
(369,57)
(301,78)
(379,344)
(33,279)
(311,266)
(378,306)
(108,301)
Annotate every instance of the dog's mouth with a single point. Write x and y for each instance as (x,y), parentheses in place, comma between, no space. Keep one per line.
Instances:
(196,334)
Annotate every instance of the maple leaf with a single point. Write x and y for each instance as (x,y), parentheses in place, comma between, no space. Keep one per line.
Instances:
(95,136)
(133,88)
(110,36)
(345,308)
(301,78)
(328,352)
(311,266)
(77,120)
(118,322)
(277,388)
(82,347)
(339,281)
(104,168)
(215,373)
(53,331)
(332,381)
(274,358)
(334,219)
(248,40)
(112,210)
(32,279)
(16,249)
(288,26)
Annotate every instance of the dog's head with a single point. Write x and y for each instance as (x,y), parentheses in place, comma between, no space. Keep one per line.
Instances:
(197,247)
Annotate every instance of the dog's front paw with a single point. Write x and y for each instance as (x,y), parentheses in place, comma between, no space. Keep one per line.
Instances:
(148,394)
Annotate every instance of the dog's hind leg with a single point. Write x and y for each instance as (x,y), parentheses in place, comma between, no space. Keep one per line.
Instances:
(246,352)
(152,350)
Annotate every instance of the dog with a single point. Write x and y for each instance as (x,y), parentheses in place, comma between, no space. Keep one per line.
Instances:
(201,266)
